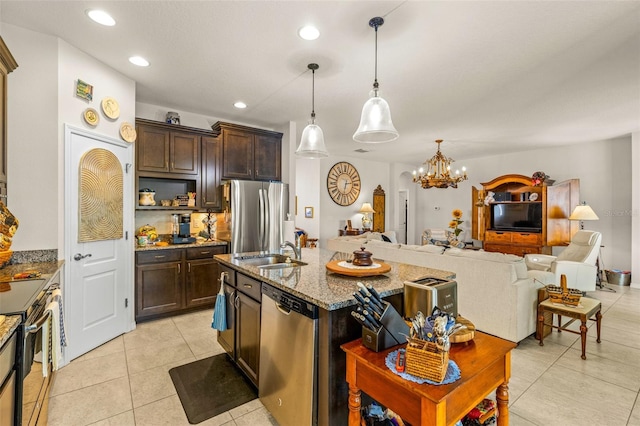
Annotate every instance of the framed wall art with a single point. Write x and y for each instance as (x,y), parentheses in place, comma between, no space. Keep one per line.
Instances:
(308,212)
(84,90)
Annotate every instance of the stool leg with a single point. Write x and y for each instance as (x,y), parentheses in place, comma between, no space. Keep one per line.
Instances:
(583,338)
(541,327)
(559,323)
(598,323)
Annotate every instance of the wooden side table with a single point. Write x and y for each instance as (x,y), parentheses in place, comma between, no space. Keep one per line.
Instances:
(485,365)
(586,310)
(354,231)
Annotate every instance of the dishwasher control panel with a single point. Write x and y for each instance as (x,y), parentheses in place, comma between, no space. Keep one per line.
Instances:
(290,301)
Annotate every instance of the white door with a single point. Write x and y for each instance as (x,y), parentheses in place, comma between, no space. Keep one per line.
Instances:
(98,274)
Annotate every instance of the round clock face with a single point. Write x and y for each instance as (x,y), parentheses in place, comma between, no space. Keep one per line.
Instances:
(343,184)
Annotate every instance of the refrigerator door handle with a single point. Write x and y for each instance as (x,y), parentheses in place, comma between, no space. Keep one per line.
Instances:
(261,220)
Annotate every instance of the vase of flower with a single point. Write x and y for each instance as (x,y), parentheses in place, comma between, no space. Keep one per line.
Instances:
(455,222)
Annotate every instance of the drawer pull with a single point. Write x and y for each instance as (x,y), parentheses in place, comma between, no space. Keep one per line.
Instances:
(159,257)
(205,252)
(248,285)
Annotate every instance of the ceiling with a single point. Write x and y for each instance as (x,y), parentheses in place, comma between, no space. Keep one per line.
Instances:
(487,77)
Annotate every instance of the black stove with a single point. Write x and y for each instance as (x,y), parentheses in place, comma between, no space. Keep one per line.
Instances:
(21,297)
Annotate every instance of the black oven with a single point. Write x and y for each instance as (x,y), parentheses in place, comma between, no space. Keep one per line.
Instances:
(29,299)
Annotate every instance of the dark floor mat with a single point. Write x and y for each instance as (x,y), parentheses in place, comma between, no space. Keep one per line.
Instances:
(210,386)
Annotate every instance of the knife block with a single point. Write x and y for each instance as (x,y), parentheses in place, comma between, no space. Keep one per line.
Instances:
(394,331)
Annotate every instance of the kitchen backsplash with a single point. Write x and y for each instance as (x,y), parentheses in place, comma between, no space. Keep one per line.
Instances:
(162,221)
(34,256)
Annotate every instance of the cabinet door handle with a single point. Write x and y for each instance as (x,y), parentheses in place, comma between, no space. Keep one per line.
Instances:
(178,268)
(236,302)
(173,165)
(189,267)
(166,165)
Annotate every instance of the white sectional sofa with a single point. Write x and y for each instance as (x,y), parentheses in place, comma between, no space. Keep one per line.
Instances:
(495,291)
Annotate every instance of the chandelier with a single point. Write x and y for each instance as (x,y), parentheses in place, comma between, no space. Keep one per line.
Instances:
(438,172)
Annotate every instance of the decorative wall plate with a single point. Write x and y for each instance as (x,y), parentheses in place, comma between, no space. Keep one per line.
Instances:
(127,132)
(533,196)
(111,108)
(91,116)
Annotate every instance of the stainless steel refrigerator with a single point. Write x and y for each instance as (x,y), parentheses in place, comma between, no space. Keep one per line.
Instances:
(257,213)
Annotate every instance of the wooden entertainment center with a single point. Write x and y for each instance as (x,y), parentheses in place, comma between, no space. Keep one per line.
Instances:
(556,203)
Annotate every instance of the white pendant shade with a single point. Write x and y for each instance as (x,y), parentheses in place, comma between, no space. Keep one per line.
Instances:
(375,122)
(312,143)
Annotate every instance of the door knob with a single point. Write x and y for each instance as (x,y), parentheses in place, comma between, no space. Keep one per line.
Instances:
(78,256)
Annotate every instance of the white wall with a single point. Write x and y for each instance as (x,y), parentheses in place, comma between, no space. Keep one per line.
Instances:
(41,99)
(635,212)
(32,134)
(604,170)
(372,174)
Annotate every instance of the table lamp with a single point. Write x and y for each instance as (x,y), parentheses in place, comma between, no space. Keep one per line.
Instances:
(583,212)
(365,210)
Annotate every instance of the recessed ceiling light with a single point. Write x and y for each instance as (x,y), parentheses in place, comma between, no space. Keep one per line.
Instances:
(240,105)
(309,32)
(139,61)
(101,17)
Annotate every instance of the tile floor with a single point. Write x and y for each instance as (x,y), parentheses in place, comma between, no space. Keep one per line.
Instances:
(126,381)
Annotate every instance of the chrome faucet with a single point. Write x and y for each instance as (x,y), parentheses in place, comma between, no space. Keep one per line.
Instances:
(297,250)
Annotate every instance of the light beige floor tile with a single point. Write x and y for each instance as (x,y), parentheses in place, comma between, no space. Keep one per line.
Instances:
(169,411)
(614,351)
(153,332)
(204,343)
(91,404)
(153,384)
(79,374)
(112,346)
(600,368)
(156,354)
(516,420)
(634,420)
(259,417)
(623,337)
(566,397)
(123,419)
(248,407)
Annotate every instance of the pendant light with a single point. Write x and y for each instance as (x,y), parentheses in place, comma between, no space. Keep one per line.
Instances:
(312,140)
(375,123)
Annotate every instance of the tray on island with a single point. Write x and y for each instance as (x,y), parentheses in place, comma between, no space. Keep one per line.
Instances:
(341,267)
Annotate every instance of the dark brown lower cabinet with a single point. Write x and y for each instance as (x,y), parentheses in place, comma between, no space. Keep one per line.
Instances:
(172,281)
(241,340)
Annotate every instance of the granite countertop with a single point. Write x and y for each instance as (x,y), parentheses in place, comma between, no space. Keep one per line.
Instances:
(47,269)
(10,323)
(179,246)
(328,290)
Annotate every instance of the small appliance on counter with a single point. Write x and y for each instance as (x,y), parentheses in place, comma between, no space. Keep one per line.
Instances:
(181,229)
(426,293)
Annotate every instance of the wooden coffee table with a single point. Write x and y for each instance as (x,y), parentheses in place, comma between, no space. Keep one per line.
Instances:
(586,310)
(485,365)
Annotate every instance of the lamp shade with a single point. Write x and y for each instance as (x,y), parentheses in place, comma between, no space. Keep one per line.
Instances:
(366,208)
(583,212)
(312,143)
(375,122)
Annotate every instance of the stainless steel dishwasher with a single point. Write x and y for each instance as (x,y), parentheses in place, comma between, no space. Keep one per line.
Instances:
(288,357)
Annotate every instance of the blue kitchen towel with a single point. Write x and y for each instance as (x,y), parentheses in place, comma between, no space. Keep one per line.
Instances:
(219,321)
(453,372)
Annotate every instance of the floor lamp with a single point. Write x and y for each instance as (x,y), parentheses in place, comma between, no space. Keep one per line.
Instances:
(581,213)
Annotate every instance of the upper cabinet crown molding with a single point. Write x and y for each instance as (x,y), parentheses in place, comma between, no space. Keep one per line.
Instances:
(6,58)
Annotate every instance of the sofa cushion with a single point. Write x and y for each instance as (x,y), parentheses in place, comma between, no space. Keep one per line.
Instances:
(391,236)
(430,248)
(382,243)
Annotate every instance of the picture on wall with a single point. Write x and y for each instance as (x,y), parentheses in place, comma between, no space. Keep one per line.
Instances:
(84,90)
(308,212)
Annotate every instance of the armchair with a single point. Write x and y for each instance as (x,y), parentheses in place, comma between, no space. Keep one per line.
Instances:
(577,262)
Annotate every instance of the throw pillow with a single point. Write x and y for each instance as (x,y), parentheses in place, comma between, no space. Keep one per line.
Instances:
(391,235)
(385,238)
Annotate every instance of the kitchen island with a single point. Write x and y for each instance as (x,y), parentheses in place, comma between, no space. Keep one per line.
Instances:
(333,294)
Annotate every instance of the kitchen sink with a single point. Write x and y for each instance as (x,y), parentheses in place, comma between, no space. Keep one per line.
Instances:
(270,261)
(292,264)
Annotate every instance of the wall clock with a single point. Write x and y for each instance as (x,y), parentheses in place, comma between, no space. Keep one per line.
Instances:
(343,183)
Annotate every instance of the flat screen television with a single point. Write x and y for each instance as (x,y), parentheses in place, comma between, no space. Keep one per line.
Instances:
(516,217)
